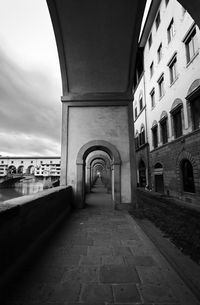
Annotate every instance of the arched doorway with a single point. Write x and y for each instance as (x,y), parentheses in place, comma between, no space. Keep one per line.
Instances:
(187,176)
(81,162)
(158,178)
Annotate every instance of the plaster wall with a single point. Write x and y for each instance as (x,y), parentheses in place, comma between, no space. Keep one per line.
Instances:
(186,73)
(100,123)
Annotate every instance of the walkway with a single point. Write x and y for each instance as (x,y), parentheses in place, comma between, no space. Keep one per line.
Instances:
(99,256)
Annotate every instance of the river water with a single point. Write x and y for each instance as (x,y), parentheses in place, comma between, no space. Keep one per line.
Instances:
(23,187)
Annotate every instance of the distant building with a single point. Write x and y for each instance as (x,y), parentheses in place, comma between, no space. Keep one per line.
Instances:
(37,166)
(167,103)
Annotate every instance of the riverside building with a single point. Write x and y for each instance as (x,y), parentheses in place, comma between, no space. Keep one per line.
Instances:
(166,103)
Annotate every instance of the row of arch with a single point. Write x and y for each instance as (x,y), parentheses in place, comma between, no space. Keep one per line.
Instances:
(12,169)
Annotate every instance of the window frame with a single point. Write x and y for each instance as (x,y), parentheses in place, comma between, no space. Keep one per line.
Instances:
(160,82)
(159,52)
(164,135)
(157,20)
(151,69)
(191,37)
(154,131)
(152,95)
(150,40)
(170,31)
(173,69)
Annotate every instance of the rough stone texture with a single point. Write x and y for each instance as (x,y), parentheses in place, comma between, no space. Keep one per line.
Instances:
(169,155)
(57,276)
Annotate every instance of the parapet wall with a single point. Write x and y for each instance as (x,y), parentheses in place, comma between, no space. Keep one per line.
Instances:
(25,221)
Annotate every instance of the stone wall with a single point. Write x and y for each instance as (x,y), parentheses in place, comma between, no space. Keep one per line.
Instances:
(25,221)
(170,155)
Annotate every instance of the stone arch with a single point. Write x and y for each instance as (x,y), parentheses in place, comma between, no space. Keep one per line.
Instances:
(193,87)
(163,115)
(185,155)
(12,169)
(30,169)
(116,168)
(177,103)
(107,165)
(20,169)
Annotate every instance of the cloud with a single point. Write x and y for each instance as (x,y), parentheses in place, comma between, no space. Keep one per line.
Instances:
(30,109)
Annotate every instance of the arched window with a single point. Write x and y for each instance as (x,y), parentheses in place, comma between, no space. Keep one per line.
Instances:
(163,127)
(187,176)
(177,118)
(142,174)
(136,140)
(193,98)
(154,130)
(142,135)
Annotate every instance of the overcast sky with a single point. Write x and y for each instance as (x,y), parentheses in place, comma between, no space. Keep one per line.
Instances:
(30,83)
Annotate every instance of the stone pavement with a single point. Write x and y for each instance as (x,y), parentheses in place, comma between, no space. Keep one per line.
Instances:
(99,256)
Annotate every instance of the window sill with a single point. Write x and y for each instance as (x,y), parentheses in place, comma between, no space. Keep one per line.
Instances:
(173,82)
(191,60)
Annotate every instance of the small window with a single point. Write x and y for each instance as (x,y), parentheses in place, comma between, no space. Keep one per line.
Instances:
(191,45)
(195,113)
(22,162)
(135,112)
(31,161)
(187,176)
(170,31)
(177,121)
(151,69)
(136,140)
(159,52)
(142,136)
(158,20)
(12,162)
(2,162)
(51,162)
(155,136)
(150,40)
(152,94)
(41,162)
(164,132)
(141,103)
(161,86)
(173,69)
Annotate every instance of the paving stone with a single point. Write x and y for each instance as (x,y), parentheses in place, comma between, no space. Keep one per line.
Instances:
(112,260)
(96,293)
(81,274)
(122,251)
(90,260)
(126,293)
(140,260)
(118,274)
(157,293)
(64,292)
(150,275)
(107,243)
(103,250)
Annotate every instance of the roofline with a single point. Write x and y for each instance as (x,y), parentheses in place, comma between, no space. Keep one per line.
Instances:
(155,4)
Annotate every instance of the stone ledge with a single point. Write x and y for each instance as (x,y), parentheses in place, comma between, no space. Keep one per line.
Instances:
(26,220)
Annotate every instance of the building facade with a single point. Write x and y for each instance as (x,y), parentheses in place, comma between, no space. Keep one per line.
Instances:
(170,87)
(37,166)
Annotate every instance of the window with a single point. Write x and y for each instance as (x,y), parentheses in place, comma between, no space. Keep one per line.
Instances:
(41,162)
(159,52)
(187,176)
(191,45)
(164,133)
(170,31)
(158,20)
(141,103)
(150,40)
(166,2)
(135,112)
(12,162)
(155,136)
(195,113)
(22,161)
(152,94)
(173,69)
(161,86)
(142,136)
(31,161)
(177,121)
(2,162)
(151,69)
(136,140)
